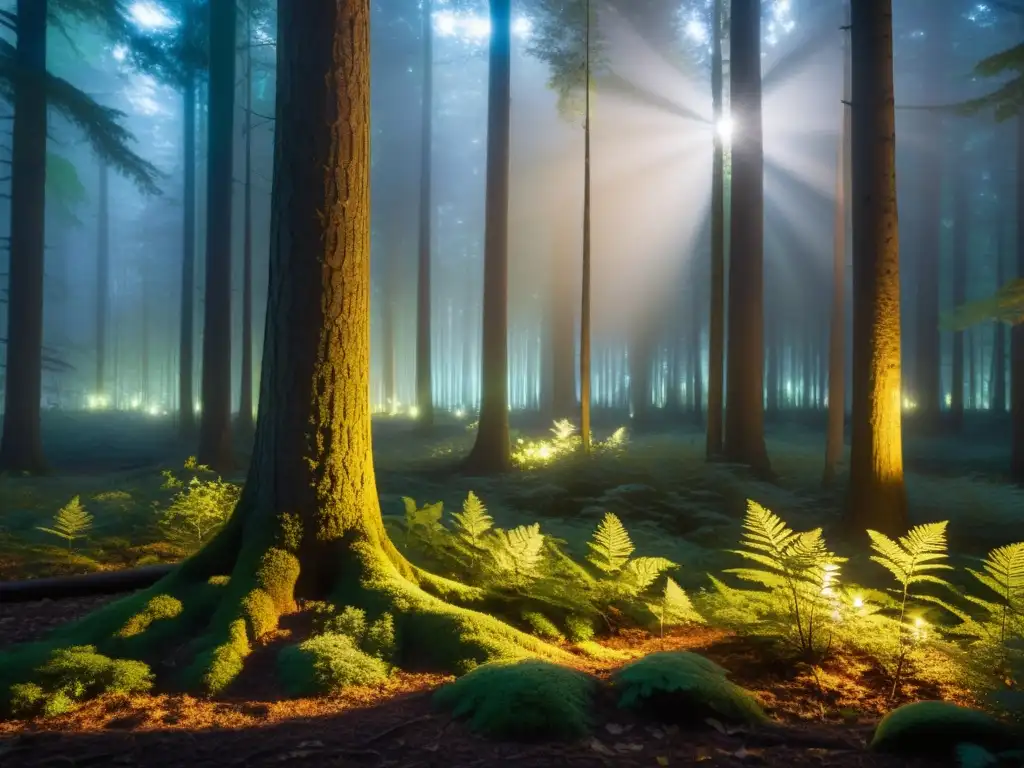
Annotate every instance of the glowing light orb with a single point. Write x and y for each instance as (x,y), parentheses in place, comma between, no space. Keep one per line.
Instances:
(414,411)
(459,413)
(97,402)
(909,404)
(858,602)
(725,128)
(949,400)
(120,53)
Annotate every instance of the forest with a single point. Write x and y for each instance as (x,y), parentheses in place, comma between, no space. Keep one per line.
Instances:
(362,405)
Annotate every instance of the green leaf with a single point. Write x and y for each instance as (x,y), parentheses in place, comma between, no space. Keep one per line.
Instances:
(610,546)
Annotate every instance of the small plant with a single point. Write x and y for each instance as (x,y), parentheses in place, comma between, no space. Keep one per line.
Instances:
(801,597)
(610,549)
(327,663)
(912,559)
(72,522)
(199,508)
(565,441)
(674,608)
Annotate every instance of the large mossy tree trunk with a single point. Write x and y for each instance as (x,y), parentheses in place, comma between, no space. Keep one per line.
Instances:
(186,333)
(21,445)
(215,448)
(744,406)
(492,450)
(1016,333)
(877,497)
(308,523)
(424,367)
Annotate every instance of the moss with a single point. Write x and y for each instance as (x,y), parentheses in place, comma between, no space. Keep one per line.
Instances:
(542,626)
(290,534)
(57,704)
(522,700)
(580,629)
(687,685)
(277,574)
(350,622)
(260,613)
(160,607)
(598,651)
(217,667)
(327,663)
(26,699)
(936,727)
(380,638)
(219,581)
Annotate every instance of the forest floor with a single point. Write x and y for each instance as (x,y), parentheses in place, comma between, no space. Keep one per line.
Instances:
(674,505)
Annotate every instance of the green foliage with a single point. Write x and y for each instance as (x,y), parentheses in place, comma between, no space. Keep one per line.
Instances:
(63,186)
(542,626)
(326,664)
(522,700)
(565,442)
(1002,573)
(1005,306)
(610,546)
(517,555)
(71,523)
(1006,100)
(470,526)
(159,608)
(674,608)
(580,629)
(75,674)
(800,578)
(912,560)
(687,685)
(937,727)
(201,506)
(376,638)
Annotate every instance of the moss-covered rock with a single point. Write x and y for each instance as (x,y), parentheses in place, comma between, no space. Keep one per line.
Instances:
(522,700)
(687,686)
(937,727)
(327,663)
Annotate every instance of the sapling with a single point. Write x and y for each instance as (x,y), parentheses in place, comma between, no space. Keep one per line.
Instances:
(71,523)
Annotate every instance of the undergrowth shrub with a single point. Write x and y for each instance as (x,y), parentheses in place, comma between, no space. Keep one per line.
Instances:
(327,663)
(522,700)
(71,523)
(375,638)
(565,441)
(563,597)
(73,675)
(200,506)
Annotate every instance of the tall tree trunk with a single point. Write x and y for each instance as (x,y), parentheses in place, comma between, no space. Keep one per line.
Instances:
(21,445)
(744,406)
(774,353)
(144,332)
(998,388)
(716,305)
(245,416)
(585,366)
(927,377)
(102,278)
(424,368)
(695,354)
(186,334)
(387,325)
(877,497)
(215,449)
(1016,333)
(961,223)
(837,321)
(492,452)
(563,314)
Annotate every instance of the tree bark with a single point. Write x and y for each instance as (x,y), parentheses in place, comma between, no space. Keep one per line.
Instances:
(245,405)
(1016,333)
(998,387)
(563,315)
(585,326)
(21,444)
(215,448)
(102,278)
(744,408)
(877,497)
(837,322)
(424,367)
(186,336)
(492,452)
(716,306)
(961,223)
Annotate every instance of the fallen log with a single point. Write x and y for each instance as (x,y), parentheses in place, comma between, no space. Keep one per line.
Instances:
(87,585)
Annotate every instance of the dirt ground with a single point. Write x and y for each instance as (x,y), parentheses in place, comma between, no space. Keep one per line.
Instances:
(824,719)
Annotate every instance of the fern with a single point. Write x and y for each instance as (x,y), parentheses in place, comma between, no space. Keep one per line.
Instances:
(799,572)
(912,559)
(1003,573)
(472,523)
(674,608)
(518,554)
(71,522)
(610,546)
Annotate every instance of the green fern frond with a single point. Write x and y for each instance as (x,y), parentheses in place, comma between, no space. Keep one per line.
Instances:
(911,555)
(472,522)
(71,522)
(519,552)
(641,572)
(1003,573)
(675,608)
(610,546)
(764,531)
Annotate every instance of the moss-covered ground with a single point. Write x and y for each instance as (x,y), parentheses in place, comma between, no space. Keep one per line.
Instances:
(673,503)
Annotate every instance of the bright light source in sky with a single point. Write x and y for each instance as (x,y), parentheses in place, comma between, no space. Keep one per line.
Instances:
(696,31)
(149,15)
(448,24)
(119,53)
(725,128)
